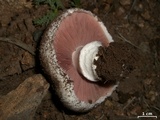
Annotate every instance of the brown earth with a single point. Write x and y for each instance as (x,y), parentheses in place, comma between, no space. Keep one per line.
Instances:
(135,22)
(119,60)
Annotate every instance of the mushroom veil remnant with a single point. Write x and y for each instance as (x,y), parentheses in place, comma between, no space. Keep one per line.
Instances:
(68,51)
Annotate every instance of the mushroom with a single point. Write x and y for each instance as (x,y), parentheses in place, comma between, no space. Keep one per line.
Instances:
(68,49)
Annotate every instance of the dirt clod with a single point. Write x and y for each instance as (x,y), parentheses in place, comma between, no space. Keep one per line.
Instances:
(116,61)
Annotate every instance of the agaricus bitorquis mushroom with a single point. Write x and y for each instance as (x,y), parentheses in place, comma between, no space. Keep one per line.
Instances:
(72,55)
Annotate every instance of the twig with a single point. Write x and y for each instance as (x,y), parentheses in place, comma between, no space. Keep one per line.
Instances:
(102,116)
(156,108)
(129,103)
(127,16)
(110,8)
(124,39)
(20,44)
(144,100)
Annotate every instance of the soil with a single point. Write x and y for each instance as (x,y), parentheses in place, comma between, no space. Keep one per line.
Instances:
(133,22)
(119,60)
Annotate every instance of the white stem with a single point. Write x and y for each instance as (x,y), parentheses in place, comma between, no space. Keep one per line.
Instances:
(86,60)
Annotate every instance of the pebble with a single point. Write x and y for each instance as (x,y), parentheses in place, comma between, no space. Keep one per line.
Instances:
(108,103)
(119,12)
(95,10)
(151,95)
(146,15)
(27,61)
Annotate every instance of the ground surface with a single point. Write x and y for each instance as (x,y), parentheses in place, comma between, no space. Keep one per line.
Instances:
(136,22)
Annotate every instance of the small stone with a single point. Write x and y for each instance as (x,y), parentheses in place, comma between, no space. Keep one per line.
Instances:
(21,103)
(108,103)
(152,95)
(95,10)
(119,12)
(141,25)
(27,61)
(146,15)
(107,7)
(140,6)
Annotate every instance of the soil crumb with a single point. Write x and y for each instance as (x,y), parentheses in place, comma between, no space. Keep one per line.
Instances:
(116,61)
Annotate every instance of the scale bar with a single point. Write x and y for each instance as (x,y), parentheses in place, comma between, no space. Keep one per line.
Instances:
(146,116)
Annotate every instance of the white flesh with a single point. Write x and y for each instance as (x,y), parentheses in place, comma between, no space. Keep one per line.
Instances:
(86,58)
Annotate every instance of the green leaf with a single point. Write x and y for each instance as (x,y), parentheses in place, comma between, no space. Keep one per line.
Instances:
(76,3)
(54,5)
(46,19)
(59,4)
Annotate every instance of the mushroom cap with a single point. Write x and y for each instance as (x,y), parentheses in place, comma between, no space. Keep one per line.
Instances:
(59,49)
